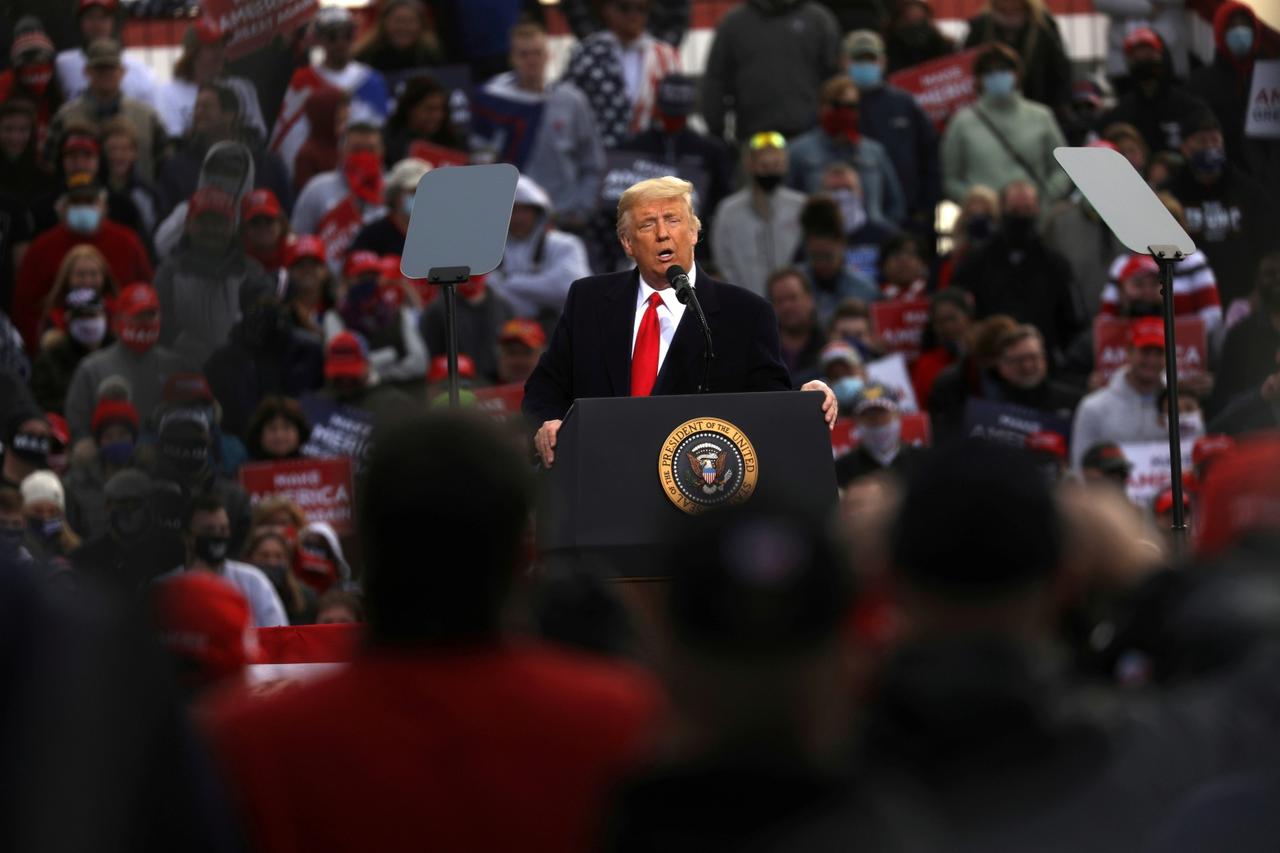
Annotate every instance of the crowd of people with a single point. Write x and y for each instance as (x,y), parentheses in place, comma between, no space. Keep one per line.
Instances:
(200,270)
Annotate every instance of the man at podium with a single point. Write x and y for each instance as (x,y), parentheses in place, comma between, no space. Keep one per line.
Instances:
(626,334)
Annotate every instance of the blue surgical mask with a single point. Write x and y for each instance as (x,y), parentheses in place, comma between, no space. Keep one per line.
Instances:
(846,388)
(45,529)
(406,204)
(866,75)
(117,453)
(84,219)
(1239,41)
(999,84)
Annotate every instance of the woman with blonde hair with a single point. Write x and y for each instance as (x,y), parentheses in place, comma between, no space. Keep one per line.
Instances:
(82,267)
(401,40)
(1028,28)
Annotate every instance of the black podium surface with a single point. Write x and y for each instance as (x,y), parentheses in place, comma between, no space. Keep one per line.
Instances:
(630,470)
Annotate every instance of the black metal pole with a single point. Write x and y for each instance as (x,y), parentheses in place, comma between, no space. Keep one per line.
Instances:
(1166,262)
(451,335)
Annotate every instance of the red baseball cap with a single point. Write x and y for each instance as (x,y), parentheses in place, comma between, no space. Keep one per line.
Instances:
(110,411)
(439,368)
(344,358)
(390,268)
(1143,36)
(1210,447)
(1136,265)
(207,31)
(1047,442)
(1164,501)
(1241,494)
(527,332)
(136,298)
(58,426)
(1147,332)
(261,202)
(303,246)
(206,623)
(80,141)
(109,5)
(211,200)
(361,263)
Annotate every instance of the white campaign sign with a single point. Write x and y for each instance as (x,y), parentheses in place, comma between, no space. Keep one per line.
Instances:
(891,372)
(1262,116)
(1150,474)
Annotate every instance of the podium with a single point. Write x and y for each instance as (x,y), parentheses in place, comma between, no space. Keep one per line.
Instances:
(630,471)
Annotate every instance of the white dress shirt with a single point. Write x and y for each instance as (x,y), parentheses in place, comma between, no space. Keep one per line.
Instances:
(669,313)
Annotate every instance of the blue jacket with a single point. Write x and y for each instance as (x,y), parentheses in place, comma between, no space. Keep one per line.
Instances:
(892,117)
(810,153)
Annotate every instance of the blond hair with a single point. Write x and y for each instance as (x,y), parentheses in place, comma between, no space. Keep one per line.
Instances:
(655,189)
(61,281)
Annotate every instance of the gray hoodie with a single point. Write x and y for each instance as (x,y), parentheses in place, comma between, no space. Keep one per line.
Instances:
(1116,412)
(227,166)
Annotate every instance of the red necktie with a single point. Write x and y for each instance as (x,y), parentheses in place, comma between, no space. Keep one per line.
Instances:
(644,359)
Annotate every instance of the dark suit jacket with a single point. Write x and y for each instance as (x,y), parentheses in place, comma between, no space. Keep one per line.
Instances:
(590,351)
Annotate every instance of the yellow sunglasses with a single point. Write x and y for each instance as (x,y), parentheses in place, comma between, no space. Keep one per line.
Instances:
(767,139)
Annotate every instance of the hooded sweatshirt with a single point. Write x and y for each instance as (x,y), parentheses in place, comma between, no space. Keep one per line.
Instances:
(320,152)
(1224,84)
(228,166)
(536,272)
(1116,413)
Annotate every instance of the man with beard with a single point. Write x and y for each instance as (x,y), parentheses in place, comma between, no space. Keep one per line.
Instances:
(205,286)
(1015,273)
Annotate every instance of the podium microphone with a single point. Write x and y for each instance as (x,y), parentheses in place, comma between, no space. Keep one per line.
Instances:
(679,280)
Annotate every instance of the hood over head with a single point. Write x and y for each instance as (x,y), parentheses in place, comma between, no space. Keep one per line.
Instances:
(228,166)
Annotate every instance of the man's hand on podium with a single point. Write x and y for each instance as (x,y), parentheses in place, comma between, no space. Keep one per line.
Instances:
(829,407)
(544,441)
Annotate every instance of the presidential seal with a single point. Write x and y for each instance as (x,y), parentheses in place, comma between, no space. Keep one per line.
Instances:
(706,463)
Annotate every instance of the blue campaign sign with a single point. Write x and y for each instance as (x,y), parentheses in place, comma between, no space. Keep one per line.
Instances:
(1008,423)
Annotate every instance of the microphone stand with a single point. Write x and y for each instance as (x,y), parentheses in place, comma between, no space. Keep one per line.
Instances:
(684,292)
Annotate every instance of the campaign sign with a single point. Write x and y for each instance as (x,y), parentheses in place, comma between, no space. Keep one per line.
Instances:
(1008,423)
(1111,345)
(1151,473)
(1262,119)
(499,400)
(900,324)
(891,372)
(251,24)
(916,430)
(323,488)
(941,86)
(624,168)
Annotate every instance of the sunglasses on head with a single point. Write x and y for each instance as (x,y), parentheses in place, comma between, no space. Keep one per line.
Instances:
(767,139)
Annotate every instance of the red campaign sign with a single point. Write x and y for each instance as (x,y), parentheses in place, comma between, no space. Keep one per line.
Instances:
(1111,345)
(941,86)
(323,488)
(900,324)
(438,155)
(251,24)
(500,399)
(916,430)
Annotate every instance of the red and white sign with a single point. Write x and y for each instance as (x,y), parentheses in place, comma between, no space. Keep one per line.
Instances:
(1111,345)
(438,155)
(1151,473)
(900,324)
(1262,118)
(251,24)
(500,399)
(941,86)
(300,652)
(916,430)
(323,488)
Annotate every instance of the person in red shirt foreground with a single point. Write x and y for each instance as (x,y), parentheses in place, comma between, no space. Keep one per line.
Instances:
(446,733)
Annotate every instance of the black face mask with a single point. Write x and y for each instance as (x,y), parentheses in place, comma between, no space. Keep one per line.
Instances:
(915,35)
(129,522)
(275,574)
(1147,70)
(1144,309)
(212,550)
(31,448)
(266,326)
(769,181)
(1019,228)
(978,228)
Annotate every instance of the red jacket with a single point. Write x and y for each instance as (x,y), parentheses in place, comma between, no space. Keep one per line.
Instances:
(508,747)
(126,258)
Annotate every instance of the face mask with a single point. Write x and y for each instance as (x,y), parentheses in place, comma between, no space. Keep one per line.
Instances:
(1191,424)
(1239,41)
(211,550)
(36,78)
(117,453)
(406,204)
(1019,228)
(88,330)
(881,440)
(84,219)
(31,448)
(1208,161)
(129,522)
(846,389)
(840,122)
(999,84)
(316,570)
(851,210)
(672,124)
(1143,309)
(275,574)
(140,337)
(363,171)
(866,75)
(978,228)
(1146,70)
(45,529)
(768,182)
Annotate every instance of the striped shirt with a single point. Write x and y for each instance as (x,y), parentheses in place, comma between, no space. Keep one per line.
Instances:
(1195,290)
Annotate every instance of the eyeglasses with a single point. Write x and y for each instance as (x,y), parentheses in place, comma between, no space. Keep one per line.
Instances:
(767,139)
